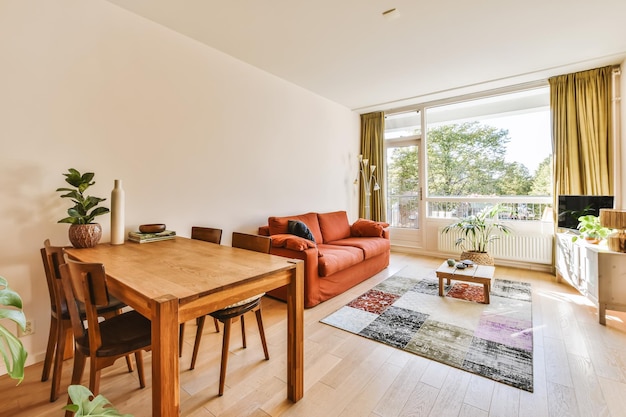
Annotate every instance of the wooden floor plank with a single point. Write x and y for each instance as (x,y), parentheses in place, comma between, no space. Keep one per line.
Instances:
(579,368)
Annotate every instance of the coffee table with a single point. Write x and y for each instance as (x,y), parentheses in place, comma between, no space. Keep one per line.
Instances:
(480,274)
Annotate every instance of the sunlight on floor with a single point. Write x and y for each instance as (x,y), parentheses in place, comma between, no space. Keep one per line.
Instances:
(569,298)
(614,318)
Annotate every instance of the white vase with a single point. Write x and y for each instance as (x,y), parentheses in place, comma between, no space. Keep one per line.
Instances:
(117,214)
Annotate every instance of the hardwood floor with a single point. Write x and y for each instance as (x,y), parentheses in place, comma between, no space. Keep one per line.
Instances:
(579,368)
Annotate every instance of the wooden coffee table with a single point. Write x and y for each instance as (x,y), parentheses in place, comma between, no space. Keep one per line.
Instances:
(480,274)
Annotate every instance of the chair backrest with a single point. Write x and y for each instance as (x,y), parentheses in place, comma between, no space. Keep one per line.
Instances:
(256,243)
(208,234)
(85,283)
(53,258)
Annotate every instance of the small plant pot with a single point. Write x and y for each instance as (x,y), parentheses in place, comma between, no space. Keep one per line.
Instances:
(592,240)
(85,235)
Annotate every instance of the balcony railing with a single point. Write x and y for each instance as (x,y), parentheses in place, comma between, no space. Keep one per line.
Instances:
(403,210)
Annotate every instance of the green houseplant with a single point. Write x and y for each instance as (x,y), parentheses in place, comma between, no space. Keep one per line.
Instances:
(83,404)
(477,232)
(591,230)
(11,348)
(83,232)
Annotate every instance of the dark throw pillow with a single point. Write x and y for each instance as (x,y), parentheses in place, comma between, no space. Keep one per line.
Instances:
(296,227)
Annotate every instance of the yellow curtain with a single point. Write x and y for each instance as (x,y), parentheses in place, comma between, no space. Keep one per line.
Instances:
(580,105)
(372,137)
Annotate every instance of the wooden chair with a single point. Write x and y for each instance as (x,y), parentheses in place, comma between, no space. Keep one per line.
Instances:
(208,234)
(237,310)
(103,342)
(211,235)
(58,348)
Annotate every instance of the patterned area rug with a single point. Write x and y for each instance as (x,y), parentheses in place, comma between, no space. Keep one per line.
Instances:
(405,311)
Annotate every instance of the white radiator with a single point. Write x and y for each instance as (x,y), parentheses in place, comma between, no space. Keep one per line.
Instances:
(517,247)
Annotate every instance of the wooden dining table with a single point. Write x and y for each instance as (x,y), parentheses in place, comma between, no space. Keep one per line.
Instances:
(174,281)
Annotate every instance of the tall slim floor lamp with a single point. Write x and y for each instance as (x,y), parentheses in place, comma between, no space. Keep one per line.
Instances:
(369,183)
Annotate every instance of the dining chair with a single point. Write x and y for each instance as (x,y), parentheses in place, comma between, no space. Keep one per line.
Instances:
(58,348)
(102,341)
(211,235)
(237,310)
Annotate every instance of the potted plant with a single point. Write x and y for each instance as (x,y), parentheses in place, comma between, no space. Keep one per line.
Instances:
(11,348)
(591,230)
(477,232)
(83,232)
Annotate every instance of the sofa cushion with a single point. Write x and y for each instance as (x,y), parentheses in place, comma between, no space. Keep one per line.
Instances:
(371,246)
(367,228)
(334,225)
(337,258)
(279,225)
(292,242)
(296,227)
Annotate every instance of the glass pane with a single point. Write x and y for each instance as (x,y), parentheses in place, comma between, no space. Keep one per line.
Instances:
(494,146)
(403,125)
(403,186)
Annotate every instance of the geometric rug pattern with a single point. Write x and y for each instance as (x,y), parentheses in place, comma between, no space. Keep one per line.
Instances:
(492,340)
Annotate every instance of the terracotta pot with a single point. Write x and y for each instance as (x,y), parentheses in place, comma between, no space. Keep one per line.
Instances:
(592,240)
(85,235)
(480,258)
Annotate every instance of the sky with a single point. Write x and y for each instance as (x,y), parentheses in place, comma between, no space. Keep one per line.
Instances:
(530,137)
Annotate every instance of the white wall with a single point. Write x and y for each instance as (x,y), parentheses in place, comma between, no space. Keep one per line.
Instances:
(197,137)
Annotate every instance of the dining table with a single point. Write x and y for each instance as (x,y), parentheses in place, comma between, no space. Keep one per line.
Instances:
(176,280)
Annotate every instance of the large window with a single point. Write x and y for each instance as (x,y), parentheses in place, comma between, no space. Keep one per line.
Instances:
(478,152)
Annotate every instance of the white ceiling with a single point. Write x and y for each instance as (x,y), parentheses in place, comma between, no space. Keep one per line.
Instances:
(346,51)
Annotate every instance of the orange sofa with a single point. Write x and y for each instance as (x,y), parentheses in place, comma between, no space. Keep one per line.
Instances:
(340,255)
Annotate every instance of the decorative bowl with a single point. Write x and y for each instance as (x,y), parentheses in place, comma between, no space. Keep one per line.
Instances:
(461,265)
(152,228)
(467,262)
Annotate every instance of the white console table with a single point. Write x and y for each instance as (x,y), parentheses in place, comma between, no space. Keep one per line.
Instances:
(594,270)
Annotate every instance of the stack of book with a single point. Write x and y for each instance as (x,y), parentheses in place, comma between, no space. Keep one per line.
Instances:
(151,237)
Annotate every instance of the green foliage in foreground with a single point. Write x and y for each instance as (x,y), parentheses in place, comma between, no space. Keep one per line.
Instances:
(11,348)
(84,404)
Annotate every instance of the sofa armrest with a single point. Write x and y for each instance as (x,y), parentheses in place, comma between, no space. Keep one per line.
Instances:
(310,258)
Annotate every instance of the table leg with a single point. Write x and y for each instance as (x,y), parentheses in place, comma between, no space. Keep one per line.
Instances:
(441,285)
(165,379)
(295,334)
(486,292)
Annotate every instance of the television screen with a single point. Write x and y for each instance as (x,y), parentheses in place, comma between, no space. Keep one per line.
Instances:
(571,207)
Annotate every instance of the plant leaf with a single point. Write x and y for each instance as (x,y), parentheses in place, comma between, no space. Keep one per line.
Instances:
(11,348)
(83,405)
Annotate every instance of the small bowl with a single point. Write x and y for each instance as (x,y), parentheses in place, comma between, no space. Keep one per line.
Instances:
(467,262)
(152,228)
(461,265)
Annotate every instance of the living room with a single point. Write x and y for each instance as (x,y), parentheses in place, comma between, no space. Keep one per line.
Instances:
(197,137)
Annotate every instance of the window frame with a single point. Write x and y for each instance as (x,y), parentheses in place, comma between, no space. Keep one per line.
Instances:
(421,140)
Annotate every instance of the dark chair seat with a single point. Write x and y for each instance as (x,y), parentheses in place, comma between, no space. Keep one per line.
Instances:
(128,331)
(113,308)
(230,312)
